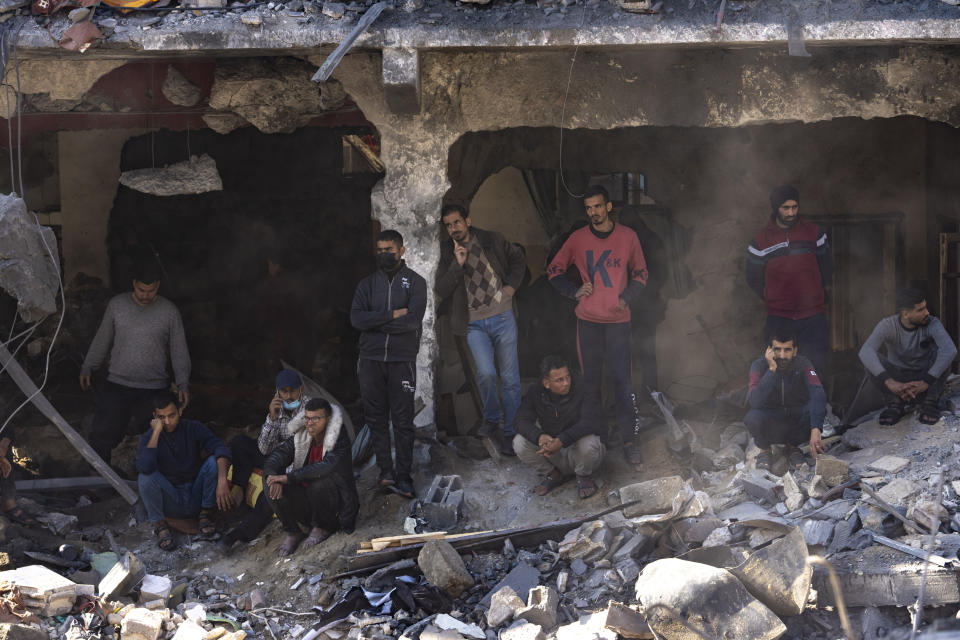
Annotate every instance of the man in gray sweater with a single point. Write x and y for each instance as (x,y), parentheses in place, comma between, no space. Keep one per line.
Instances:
(918,354)
(138,331)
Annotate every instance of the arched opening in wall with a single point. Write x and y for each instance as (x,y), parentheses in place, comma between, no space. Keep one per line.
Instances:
(262,271)
(883,190)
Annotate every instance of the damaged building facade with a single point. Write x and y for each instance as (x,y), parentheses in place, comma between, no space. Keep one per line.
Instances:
(692,120)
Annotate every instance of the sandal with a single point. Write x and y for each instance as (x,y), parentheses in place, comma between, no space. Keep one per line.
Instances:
(164,537)
(928,414)
(18,515)
(205,524)
(892,414)
(586,487)
(548,484)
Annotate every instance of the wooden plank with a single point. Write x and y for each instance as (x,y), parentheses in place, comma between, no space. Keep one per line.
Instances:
(40,402)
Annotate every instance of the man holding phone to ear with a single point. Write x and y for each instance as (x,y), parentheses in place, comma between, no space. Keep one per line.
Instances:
(787,402)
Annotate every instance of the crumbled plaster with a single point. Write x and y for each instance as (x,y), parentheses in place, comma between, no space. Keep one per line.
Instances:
(63,82)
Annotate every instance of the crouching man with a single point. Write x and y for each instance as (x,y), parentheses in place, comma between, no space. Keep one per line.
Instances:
(182,470)
(310,478)
(556,433)
(787,402)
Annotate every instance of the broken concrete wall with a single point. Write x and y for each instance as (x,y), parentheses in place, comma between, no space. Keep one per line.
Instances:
(58,84)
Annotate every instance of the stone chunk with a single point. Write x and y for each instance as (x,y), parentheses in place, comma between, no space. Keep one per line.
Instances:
(28,275)
(522,631)
(833,470)
(708,599)
(817,488)
(588,542)
(928,514)
(122,578)
(626,622)
(155,588)
(889,464)
(196,175)
(521,579)
(541,608)
(504,606)
(817,532)
(334,10)
(141,624)
(760,487)
(778,575)
(898,491)
(793,496)
(178,90)
(448,622)
(189,630)
(10,631)
(655,496)
(443,567)
(588,627)
(44,592)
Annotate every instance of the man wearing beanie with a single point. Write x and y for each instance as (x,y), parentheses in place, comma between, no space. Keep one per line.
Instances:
(788,265)
(388,309)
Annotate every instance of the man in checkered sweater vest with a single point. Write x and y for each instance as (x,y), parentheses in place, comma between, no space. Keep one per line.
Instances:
(478,275)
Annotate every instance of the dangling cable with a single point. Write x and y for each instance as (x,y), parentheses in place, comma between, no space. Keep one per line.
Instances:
(563,110)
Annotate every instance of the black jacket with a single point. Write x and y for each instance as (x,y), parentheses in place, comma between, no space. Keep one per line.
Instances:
(506,260)
(798,387)
(336,465)
(564,417)
(377,296)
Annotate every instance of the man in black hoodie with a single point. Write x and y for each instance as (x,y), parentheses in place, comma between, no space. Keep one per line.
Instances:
(557,434)
(388,309)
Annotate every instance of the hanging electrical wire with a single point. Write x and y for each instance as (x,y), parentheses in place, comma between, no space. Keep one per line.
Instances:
(563,110)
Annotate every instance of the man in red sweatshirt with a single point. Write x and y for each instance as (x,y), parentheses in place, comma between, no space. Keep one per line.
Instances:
(613,271)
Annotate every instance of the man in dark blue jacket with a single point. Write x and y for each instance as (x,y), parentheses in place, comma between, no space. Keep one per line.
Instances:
(182,470)
(787,401)
(388,309)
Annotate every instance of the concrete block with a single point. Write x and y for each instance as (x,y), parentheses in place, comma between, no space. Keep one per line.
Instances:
(655,496)
(141,624)
(504,605)
(928,514)
(9,631)
(155,588)
(541,608)
(709,599)
(588,627)
(590,541)
(898,492)
(634,546)
(443,567)
(778,575)
(833,470)
(441,507)
(522,631)
(757,485)
(889,464)
(627,622)
(122,578)
(45,592)
(792,494)
(628,570)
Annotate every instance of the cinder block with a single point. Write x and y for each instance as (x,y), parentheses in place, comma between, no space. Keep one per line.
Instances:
(541,608)
(441,508)
(760,487)
(141,624)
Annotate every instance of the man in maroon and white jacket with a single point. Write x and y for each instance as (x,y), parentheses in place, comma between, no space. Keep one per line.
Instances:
(612,268)
(788,265)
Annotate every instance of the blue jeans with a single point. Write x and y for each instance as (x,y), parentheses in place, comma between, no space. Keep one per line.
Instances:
(161,498)
(490,338)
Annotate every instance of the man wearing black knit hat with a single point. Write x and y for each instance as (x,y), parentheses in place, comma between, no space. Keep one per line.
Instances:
(788,265)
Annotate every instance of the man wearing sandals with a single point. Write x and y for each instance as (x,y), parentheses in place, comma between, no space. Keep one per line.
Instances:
(556,433)
(9,508)
(918,353)
(786,397)
(310,478)
(182,470)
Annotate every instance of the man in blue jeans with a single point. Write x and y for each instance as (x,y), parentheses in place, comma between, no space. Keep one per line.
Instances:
(478,274)
(182,470)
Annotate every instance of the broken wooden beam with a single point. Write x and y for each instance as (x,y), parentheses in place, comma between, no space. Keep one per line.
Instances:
(40,402)
(326,69)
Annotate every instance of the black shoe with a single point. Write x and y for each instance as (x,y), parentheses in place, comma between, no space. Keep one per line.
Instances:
(403,488)
(506,447)
(489,429)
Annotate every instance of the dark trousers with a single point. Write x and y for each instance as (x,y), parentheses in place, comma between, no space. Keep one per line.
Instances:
(813,338)
(314,505)
(387,389)
(609,342)
(246,457)
(776,425)
(645,335)
(116,404)
(931,396)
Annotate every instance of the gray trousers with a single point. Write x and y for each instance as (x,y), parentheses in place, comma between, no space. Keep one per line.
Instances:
(581,458)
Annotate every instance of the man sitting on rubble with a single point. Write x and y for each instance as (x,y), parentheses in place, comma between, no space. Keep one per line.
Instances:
(917,361)
(556,433)
(182,469)
(786,397)
(248,454)
(310,478)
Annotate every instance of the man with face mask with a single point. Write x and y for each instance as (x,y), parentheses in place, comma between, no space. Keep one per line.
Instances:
(788,265)
(787,402)
(247,454)
(388,309)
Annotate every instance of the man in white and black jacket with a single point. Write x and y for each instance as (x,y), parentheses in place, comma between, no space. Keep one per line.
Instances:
(388,309)
(310,478)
